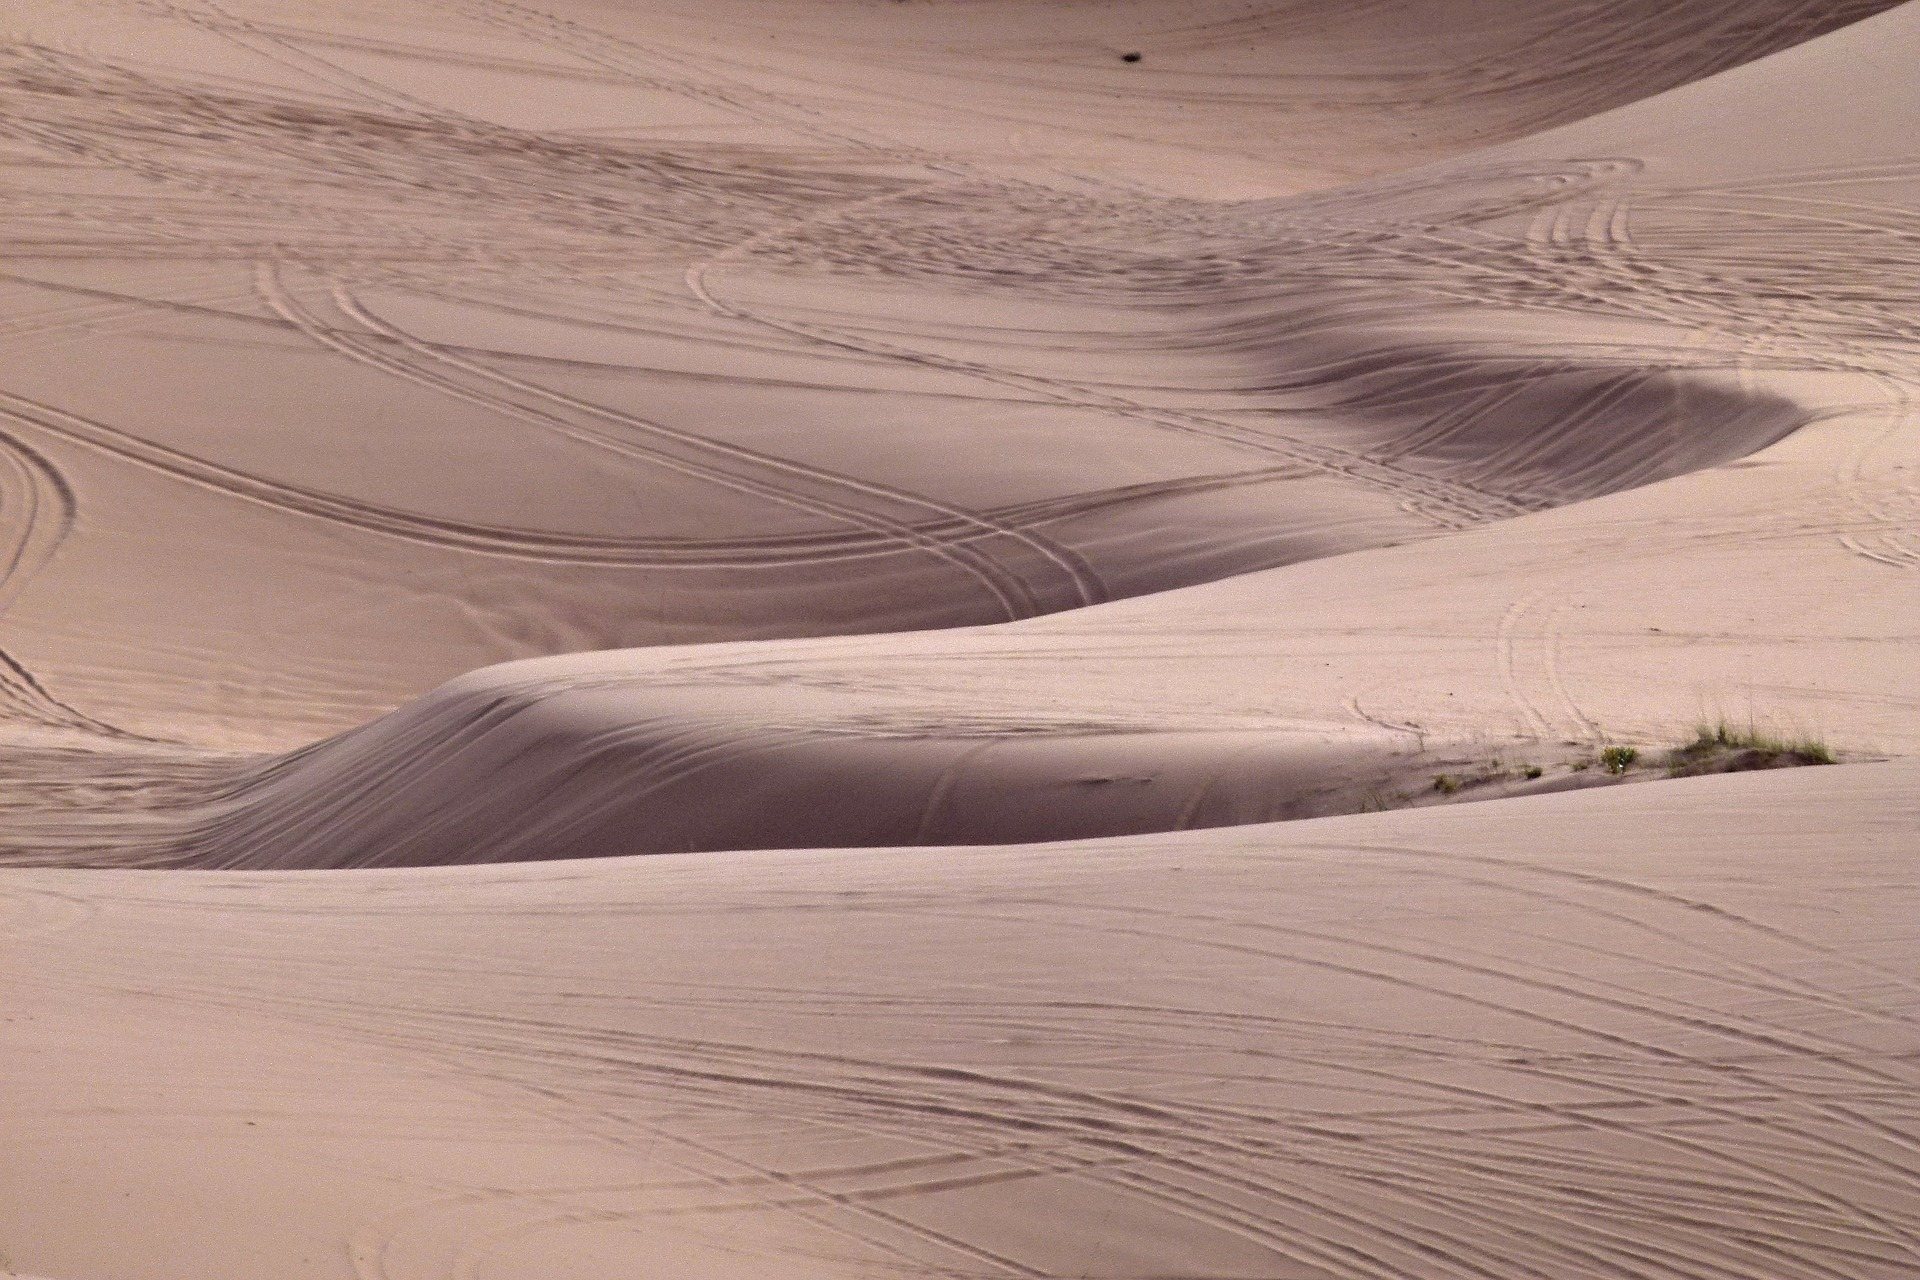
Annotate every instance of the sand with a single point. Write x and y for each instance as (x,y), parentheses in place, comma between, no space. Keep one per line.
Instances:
(1659,1030)
(883,436)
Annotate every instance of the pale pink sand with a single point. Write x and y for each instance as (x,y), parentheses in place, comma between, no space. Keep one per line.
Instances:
(823,423)
(1660,1030)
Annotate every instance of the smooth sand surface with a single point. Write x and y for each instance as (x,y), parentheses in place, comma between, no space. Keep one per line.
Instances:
(854,440)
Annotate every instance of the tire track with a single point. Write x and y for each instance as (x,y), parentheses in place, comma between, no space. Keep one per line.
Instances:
(38,510)
(756,469)
(1447,504)
(1506,660)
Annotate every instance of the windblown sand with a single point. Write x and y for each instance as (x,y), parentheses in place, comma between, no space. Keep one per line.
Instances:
(845,443)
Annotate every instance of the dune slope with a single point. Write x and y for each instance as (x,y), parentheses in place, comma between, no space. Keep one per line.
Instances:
(350,346)
(915,463)
(1660,1032)
(1673,322)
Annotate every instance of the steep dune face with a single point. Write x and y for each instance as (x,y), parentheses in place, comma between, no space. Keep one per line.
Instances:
(352,347)
(1651,347)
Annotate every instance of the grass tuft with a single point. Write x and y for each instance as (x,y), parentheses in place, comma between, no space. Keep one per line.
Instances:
(1721,748)
(1618,760)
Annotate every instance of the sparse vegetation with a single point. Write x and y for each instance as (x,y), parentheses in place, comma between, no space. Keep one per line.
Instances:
(1715,748)
(1720,748)
(1617,760)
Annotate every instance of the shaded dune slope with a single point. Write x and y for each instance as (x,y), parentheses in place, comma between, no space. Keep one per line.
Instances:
(1661,350)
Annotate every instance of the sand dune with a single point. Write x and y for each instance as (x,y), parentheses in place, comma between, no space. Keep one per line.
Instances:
(1518,333)
(1661,1030)
(856,440)
(517,271)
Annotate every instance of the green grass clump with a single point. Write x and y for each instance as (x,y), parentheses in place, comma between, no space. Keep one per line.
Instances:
(1532,771)
(1446,783)
(1617,760)
(1721,748)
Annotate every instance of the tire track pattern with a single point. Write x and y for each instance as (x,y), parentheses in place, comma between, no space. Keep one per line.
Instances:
(1543,1069)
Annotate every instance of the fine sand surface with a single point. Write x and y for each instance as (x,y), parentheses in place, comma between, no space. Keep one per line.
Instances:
(1662,1030)
(351,347)
(885,434)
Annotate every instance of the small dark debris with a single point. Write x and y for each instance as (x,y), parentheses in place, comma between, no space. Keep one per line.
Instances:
(1129,57)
